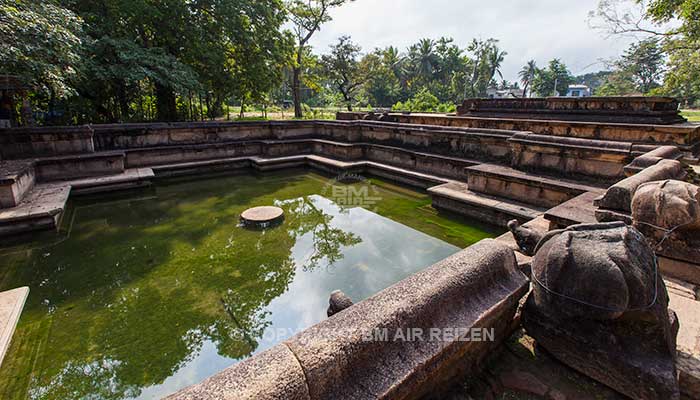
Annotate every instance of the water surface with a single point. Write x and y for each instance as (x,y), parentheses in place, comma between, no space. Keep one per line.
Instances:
(140,296)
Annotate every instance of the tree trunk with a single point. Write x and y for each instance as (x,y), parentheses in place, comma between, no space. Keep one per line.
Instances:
(124,107)
(296,85)
(166,104)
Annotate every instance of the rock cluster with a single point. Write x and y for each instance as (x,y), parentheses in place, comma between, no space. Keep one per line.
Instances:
(599,305)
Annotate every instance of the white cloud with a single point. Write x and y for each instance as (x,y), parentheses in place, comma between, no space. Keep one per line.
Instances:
(527,29)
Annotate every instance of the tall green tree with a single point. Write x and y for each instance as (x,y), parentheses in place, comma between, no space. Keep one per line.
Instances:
(382,87)
(553,80)
(169,51)
(343,69)
(41,44)
(644,62)
(307,16)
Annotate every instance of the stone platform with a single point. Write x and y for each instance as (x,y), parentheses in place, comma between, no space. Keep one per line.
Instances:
(11,305)
(648,110)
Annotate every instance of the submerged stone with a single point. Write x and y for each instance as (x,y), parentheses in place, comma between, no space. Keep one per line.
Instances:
(262,216)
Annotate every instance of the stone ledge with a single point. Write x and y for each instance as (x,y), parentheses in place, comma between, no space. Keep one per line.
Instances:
(130,178)
(579,210)
(11,305)
(456,197)
(17,178)
(538,190)
(479,287)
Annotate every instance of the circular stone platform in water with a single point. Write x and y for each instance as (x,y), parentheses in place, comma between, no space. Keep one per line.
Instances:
(262,216)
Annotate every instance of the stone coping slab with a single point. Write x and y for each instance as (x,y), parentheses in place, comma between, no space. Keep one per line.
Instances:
(11,305)
(11,170)
(340,358)
(44,200)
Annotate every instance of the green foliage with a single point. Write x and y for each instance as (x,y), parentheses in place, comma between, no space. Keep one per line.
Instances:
(306,16)
(552,81)
(423,101)
(40,44)
(682,79)
(343,70)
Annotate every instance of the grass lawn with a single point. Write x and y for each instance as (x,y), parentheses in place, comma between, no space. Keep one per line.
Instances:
(692,115)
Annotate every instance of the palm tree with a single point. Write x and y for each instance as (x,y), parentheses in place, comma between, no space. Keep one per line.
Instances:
(425,58)
(393,60)
(527,74)
(496,57)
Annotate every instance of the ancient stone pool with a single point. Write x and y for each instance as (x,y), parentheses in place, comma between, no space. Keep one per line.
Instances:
(142,295)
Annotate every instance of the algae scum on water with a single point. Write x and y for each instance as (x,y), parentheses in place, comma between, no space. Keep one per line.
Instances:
(140,296)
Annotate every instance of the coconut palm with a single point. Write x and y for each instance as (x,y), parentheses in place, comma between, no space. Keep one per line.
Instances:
(527,74)
(495,59)
(423,58)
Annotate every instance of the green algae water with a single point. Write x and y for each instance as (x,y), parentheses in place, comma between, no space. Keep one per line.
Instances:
(140,296)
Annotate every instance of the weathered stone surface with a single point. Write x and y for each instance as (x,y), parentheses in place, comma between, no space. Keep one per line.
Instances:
(525,187)
(258,216)
(619,196)
(272,375)
(653,157)
(17,178)
(338,302)
(476,288)
(655,110)
(668,213)
(579,210)
(456,197)
(348,356)
(11,305)
(568,156)
(526,238)
(600,306)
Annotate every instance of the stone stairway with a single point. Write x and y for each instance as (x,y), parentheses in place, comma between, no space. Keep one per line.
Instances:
(534,189)
(34,192)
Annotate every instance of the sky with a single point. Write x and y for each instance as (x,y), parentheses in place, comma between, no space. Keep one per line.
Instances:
(527,29)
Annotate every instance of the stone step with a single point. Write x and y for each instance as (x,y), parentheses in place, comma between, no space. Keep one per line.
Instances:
(41,209)
(129,179)
(537,190)
(457,197)
(579,210)
(43,206)
(17,178)
(599,160)
(325,164)
(63,168)
(201,167)
(11,306)
(430,163)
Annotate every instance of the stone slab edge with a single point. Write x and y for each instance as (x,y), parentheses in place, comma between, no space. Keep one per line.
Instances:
(478,287)
(11,306)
